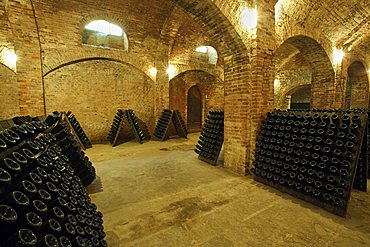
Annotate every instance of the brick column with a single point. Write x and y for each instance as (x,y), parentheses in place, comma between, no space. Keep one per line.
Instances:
(27,46)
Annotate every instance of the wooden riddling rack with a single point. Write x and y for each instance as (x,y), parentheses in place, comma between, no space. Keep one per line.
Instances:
(125,124)
(77,129)
(161,131)
(311,155)
(211,138)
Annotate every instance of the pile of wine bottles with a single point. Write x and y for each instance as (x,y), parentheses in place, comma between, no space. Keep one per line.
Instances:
(78,130)
(21,119)
(162,127)
(127,118)
(42,201)
(80,163)
(311,155)
(211,138)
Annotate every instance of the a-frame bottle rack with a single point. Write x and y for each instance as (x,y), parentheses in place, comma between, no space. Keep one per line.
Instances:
(161,131)
(77,130)
(125,121)
(211,138)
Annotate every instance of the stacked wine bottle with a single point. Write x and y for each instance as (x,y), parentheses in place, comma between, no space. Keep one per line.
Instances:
(179,124)
(311,155)
(78,130)
(125,118)
(161,131)
(80,163)
(211,138)
(133,122)
(42,201)
(163,123)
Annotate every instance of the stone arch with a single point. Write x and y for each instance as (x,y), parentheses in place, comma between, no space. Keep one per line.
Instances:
(210,86)
(89,59)
(299,97)
(357,88)
(323,76)
(95,95)
(240,132)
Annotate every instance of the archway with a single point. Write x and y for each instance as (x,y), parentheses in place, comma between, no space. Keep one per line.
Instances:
(194,109)
(319,71)
(300,97)
(357,89)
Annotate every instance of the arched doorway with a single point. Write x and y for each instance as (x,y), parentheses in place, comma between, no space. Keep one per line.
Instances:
(300,97)
(301,60)
(195,107)
(357,87)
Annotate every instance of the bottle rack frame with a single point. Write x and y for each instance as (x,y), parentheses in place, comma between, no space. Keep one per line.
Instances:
(162,127)
(70,127)
(126,123)
(48,169)
(69,118)
(206,135)
(273,178)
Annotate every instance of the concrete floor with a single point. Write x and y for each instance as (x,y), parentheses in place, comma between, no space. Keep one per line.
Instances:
(160,194)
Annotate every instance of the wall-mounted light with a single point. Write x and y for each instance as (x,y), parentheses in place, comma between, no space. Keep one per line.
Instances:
(277,9)
(249,18)
(338,56)
(153,72)
(9,58)
(276,83)
(171,71)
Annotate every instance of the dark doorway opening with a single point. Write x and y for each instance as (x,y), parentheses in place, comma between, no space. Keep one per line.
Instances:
(194,113)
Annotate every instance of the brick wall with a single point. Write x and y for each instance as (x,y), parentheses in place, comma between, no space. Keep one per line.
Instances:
(211,88)
(8,94)
(359,86)
(95,95)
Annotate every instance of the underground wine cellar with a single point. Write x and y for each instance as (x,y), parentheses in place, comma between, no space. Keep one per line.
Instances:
(184,123)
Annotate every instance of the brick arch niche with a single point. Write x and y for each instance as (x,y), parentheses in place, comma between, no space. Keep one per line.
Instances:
(210,87)
(357,88)
(95,103)
(323,76)
(242,112)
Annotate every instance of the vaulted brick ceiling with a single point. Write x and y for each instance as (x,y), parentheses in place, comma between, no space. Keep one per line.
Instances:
(344,22)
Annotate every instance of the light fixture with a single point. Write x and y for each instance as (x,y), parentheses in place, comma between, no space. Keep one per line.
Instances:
(249,18)
(338,56)
(171,71)
(276,83)
(9,58)
(153,72)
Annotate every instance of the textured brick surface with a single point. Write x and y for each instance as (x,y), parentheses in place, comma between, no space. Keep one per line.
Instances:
(95,95)
(47,37)
(211,88)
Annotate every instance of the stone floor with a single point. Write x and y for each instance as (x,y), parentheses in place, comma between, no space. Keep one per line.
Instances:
(160,194)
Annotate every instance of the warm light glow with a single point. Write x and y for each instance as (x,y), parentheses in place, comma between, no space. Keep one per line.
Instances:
(249,18)
(153,72)
(9,58)
(276,83)
(171,71)
(338,56)
(104,27)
